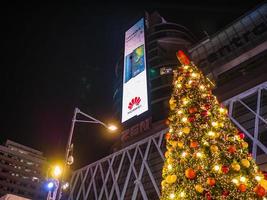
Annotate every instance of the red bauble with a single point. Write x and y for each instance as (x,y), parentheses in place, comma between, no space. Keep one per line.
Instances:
(241,135)
(207,106)
(225,193)
(190,173)
(260,191)
(192,110)
(204,113)
(225,169)
(231,149)
(192,119)
(211,181)
(168,136)
(208,195)
(242,187)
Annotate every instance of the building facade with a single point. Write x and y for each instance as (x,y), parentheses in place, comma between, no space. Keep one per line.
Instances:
(22,171)
(235,58)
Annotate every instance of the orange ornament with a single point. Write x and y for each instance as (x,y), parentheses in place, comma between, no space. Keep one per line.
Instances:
(211,181)
(192,110)
(260,191)
(194,144)
(242,187)
(231,149)
(190,173)
(168,136)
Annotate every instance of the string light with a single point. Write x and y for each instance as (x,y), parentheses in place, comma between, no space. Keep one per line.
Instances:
(169,167)
(211,134)
(172,196)
(216,167)
(202,87)
(180,112)
(184,154)
(179,85)
(194,75)
(243,179)
(182,194)
(214,124)
(184,119)
(199,154)
(186,66)
(258,178)
(185,101)
(235,181)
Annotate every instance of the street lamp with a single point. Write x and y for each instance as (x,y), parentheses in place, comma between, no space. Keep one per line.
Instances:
(69,159)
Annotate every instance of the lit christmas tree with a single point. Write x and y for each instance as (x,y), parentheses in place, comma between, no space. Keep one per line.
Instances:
(206,155)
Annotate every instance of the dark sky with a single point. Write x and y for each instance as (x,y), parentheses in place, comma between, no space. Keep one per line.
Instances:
(58,56)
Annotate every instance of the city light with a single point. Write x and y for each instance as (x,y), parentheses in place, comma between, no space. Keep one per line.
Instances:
(57,171)
(50,185)
(112,127)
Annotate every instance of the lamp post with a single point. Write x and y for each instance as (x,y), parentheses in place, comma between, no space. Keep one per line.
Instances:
(69,148)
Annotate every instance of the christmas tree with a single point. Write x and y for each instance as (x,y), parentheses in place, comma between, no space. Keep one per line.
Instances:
(206,157)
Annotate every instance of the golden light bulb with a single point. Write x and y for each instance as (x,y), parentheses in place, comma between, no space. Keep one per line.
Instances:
(182,194)
(243,179)
(214,124)
(216,167)
(185,101)
(186,66)
(211,134)
(235,181)
(221,110)
(170,130)
(184,119)
(179,85)
(194,74)
(258,178)
(172,196)
(180,133)
(180,112)
(202,87)
(184,154)
(169,167)
(199,154)
(190,81)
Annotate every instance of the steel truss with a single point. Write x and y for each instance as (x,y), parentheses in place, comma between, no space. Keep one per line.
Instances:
(135,171)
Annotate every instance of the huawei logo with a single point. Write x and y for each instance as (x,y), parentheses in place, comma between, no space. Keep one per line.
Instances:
(134,101)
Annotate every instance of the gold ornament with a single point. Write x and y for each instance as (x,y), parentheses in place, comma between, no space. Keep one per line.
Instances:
(214,148)
(172,103)
(180,144)
(244,144)
(245,163)
(235,166)
(171,179)
(263,183)
(186,130)
(199,188)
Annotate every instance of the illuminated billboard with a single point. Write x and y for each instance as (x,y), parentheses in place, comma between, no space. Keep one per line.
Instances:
(134,96)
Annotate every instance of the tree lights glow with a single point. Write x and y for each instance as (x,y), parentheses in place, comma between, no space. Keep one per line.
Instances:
(207,157)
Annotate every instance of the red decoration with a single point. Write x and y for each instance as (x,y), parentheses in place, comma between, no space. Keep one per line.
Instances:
(184,60)
(207,106)
(192,110)
(194,144)
(204,113)
(231,149)
(225,169)
(211,181)
(208,196)
(242,187)
(225,193)
(192,119)
(190,173)
(241,135)
(168,136)
(260,191)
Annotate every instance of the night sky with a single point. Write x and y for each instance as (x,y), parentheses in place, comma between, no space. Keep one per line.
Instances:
(58,56)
